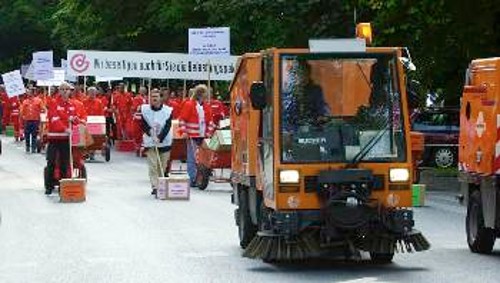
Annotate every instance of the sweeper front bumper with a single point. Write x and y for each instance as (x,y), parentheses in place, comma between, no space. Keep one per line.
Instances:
(349,218)
(294,235)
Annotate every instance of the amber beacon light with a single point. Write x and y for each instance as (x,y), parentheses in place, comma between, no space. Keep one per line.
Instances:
(364,30)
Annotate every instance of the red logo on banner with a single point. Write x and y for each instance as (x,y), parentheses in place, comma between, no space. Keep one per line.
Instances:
(79,63)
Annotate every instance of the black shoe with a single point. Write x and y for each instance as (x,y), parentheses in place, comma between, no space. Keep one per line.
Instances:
(153,192)
(193,184)
(48,191)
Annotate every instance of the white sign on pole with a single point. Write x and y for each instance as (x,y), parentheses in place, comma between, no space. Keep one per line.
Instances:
(13,83)
(24,70)
(64,66)
(29,73)
(57,80)
(43,65)
(149,65)
(209,41)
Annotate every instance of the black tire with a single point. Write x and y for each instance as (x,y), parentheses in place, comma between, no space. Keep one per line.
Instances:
(479,238)
(38,146)
(107,153)
(202,177)
(381,258)
(246,229)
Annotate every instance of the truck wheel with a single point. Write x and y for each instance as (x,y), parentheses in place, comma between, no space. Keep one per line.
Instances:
(381,258)
(444,157)
(246,229)
(479,238)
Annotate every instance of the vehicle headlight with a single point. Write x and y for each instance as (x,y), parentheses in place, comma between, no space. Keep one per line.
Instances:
(399,175)
(289,177)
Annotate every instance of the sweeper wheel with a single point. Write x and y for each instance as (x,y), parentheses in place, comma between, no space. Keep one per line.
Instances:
(246,229)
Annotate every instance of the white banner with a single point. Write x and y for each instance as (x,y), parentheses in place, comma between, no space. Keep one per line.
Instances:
(13,83)
(59,78)
(43,65)
(209,41)
(150,65)
(107,79)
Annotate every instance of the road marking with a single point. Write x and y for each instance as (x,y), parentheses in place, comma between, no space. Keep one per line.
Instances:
(363,280)
(206,254)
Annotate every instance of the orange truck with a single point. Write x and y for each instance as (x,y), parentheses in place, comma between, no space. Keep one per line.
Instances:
(321,154)
(479,153)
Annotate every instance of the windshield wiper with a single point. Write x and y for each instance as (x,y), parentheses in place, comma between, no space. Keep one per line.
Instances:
(368,147)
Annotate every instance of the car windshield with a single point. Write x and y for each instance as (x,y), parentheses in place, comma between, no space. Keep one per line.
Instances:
(340,109)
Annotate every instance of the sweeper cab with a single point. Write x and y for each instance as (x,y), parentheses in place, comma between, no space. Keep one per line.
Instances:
(479,153)
(321,155)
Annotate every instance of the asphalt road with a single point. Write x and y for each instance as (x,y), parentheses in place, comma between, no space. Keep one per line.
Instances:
(122,234)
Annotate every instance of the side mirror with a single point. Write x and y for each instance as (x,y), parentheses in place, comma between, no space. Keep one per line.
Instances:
(408,64)
(258,95)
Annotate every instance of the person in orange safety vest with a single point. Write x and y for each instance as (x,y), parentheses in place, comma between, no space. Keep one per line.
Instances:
(196,124)
(31,109)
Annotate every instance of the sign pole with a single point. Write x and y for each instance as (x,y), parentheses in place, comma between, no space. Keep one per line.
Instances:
(209,89)
(85,85)
(185,91)
(149,91)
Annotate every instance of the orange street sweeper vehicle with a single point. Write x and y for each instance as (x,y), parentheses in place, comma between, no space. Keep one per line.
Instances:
(479,153)
(321,155)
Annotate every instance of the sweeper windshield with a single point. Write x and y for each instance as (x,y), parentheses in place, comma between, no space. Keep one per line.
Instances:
(340,108)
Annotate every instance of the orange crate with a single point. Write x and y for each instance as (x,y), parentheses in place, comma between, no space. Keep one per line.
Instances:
(72,190)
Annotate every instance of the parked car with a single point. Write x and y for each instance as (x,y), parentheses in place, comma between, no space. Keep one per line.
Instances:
(440,127)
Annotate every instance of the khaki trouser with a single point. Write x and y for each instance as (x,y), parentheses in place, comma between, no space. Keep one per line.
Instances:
(154,165)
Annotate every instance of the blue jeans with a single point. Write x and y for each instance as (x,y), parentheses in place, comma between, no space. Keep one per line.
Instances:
(31,134)
(192,145)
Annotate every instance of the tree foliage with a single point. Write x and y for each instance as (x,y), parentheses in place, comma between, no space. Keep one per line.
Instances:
(443,36)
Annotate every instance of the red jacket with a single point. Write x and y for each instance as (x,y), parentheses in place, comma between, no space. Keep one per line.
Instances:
(31,109)
(94,107)
(123,103)
(218,110)
(189,120)
(81,112)
(176,108)
(58,119)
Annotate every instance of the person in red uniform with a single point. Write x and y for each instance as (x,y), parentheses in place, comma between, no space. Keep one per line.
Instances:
(4,98)
(93,105)
(61,114)
(195,122)
(169,100)
(218,110)
(109,113)
(31,109)
(14,117)
(140,99)
(122,101)
(79,106)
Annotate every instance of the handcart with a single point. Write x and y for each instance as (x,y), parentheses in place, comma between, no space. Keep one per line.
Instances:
(96,127)
(207,161)
(77,169)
